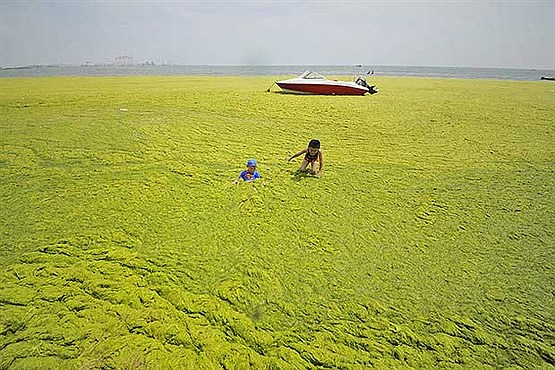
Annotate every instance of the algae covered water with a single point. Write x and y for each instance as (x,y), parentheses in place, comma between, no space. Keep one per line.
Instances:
(426,243)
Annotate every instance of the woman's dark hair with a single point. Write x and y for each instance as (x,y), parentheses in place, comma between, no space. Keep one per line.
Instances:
(314,144)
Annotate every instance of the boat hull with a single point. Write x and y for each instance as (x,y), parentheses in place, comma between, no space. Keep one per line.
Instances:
(321,88)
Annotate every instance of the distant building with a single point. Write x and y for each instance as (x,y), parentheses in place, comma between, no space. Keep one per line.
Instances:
(124,60)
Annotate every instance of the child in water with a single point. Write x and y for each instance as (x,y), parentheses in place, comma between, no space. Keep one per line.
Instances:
(312,154)
(250,174)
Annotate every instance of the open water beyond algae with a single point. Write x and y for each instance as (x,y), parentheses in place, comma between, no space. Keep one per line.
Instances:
(427,242)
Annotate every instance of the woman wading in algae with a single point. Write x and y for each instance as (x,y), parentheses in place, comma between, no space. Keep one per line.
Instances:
(313,154)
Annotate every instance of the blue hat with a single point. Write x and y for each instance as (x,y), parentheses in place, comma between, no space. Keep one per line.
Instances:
(251,163)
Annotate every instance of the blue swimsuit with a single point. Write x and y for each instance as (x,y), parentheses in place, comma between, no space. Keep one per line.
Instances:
(247,176)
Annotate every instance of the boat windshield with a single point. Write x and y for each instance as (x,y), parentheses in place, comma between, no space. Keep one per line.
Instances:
(311,75)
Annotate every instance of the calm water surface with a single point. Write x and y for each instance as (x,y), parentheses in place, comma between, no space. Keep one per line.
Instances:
(284,71)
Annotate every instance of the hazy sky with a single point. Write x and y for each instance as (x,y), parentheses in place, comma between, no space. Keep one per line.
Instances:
(477,33)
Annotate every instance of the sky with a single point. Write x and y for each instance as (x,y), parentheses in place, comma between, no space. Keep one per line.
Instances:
(504,34)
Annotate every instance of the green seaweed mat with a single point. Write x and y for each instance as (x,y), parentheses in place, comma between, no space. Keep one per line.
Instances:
(427,243)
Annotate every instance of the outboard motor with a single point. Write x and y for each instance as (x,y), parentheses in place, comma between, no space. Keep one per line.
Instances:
(362,82)
(372,90)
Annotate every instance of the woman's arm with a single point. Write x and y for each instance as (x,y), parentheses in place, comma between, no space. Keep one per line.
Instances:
(238,178)
(297,154)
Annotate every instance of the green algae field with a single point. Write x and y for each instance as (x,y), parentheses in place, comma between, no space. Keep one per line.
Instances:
(428,241)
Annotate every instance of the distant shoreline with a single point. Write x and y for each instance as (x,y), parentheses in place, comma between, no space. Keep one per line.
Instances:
(116,65)
(371,71)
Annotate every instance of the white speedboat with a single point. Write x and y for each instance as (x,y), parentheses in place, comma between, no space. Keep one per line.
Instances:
(313,83)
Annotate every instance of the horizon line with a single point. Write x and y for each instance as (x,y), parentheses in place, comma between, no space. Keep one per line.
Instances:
(28,66)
